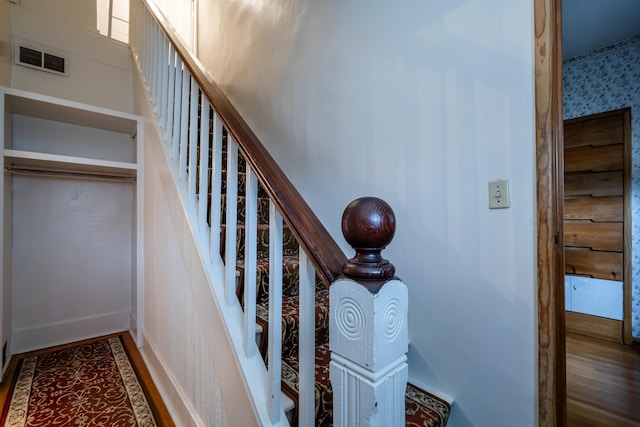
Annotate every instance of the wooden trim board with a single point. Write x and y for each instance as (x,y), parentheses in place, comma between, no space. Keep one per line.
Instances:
(549,196)
(594,326)
(627,294)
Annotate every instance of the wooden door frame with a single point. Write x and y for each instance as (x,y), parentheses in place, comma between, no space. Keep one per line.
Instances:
(627,333)
(552,391)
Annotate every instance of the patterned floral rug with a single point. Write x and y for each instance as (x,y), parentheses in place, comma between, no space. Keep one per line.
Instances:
(92,384)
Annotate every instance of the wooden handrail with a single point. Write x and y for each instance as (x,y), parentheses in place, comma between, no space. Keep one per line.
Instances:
(316,241)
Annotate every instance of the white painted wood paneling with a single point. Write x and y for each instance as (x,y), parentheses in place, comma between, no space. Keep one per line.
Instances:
(187,348)
(87,254)
(7,242)
(72,259)
(54,137)
(5,249)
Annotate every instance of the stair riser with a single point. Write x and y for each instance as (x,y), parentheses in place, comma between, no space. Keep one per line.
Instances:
(290,245)
(290,278)
(291,321)
(242,185)
(263,210)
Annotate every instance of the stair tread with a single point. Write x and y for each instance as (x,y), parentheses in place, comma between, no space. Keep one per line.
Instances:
(424,409)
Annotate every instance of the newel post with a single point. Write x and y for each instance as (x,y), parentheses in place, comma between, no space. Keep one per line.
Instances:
(368,330)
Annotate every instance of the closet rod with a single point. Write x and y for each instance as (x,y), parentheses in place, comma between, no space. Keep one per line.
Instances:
(27,171)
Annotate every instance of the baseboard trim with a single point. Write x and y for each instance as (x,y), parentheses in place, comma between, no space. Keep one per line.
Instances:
(174,398)
(594,326)
(58,333)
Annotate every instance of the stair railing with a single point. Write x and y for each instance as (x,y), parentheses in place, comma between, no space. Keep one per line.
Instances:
(195,119)
(188,107)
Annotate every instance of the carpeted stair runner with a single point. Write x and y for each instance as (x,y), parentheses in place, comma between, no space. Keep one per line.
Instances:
(422,408)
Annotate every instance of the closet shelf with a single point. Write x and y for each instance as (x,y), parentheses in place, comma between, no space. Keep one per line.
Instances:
(58,163)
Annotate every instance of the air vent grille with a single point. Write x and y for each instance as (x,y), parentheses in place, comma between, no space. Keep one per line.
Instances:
(54,63)
(30,56)
(35,57)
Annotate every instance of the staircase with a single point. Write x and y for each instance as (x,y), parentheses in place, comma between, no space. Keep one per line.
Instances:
(421,407)
(237,198)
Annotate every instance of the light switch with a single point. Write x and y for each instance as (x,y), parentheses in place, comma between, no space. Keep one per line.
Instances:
(499,194)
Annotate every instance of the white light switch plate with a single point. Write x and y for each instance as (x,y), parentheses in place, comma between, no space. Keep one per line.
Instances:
(499,194)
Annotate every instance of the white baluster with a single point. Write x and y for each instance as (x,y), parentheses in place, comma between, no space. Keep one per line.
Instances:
(133,26)
(216,187)
(157,69)
(150,38)
(231,222)
(164,82)
(171,93)
(203,179)
(307,344)
(193,142)
(139,27)
(146,47)
(154,68)
(177,109)
(184,129)
(275,312)
(250,258)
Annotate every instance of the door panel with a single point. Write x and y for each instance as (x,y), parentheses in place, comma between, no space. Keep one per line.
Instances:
(593,159)
(594,132)
(596,209)
(594,184)
(596,236)
(597,264)
(596,202)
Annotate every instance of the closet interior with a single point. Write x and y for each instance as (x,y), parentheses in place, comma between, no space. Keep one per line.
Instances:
(72,212)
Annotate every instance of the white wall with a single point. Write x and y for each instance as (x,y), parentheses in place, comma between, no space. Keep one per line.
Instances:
(5,44)
(181,14)
(421,104)
(53,137)
(72,260)
(7,241)
(100,69)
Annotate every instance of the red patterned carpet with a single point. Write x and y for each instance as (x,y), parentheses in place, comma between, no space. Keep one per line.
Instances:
(92,384)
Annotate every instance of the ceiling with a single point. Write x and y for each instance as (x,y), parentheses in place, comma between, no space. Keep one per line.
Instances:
(591,24)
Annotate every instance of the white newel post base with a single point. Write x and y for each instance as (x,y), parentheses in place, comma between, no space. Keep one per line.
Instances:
(369,343)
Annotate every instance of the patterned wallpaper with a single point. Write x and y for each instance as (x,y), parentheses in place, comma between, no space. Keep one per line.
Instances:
(603,80)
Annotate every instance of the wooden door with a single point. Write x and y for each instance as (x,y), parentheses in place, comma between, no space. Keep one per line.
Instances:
(596,210)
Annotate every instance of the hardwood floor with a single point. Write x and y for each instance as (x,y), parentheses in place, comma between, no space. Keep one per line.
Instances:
(159,409)
(603,383)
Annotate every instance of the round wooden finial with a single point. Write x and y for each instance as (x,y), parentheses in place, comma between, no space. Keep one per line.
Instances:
(368,225)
